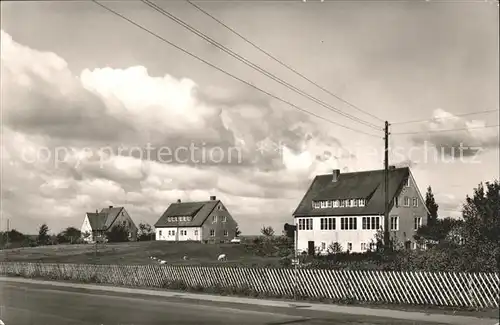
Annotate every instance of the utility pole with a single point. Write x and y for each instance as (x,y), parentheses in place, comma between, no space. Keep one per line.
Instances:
(386,185)
(7,233)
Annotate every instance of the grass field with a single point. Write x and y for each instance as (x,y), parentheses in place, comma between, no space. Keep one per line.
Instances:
(137,253)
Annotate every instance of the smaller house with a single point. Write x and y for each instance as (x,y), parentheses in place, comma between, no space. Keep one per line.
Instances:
(206,221)
(96,224)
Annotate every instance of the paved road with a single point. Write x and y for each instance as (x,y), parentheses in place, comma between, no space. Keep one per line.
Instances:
(26,304)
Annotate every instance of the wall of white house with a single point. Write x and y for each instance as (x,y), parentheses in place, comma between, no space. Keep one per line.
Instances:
(324,238)
(86,228)
(178,233)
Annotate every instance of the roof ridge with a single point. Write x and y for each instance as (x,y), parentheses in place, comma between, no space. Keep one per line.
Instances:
(365,171)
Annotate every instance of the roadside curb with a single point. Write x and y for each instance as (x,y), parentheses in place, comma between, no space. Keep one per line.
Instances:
(348,310)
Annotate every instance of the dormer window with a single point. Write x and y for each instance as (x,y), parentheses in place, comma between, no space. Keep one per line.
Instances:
(323,204)
(361,202)
(330,203)
(336,203)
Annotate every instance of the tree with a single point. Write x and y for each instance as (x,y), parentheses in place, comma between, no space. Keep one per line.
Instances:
(43,235)
(146,232)
(439,230)
(481,229)
(118,234)
(69,235)
(267,231)
(238,232)
(432,206)
(289,230)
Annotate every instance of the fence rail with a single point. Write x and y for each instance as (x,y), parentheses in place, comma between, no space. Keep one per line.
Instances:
(416,288)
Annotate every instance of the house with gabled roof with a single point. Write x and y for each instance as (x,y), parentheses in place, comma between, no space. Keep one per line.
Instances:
(205,221)
(348,210)
(95,225)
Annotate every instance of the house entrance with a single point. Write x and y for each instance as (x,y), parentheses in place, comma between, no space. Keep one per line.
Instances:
(310,247)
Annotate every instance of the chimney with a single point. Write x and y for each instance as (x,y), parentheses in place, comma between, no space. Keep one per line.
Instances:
(335,175)
(212,198)
(111,207)
(178,200)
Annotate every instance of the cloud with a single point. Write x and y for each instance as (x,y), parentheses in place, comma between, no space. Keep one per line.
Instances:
(73,144)
(472,140)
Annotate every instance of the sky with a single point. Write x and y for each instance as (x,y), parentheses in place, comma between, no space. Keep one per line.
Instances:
(98,112)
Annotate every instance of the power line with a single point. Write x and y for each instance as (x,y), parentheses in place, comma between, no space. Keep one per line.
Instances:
(224,71)
(281,62)
(448,117)
(255,66)
(449,130)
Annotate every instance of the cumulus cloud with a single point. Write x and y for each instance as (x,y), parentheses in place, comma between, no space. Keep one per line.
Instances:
(68,140)
(473,139)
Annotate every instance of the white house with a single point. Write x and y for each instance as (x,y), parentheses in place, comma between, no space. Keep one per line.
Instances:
(96,224)
(348,209)
(206,221)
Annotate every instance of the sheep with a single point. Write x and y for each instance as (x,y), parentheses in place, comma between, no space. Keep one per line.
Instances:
(185,257)
(163,262)
(222,257)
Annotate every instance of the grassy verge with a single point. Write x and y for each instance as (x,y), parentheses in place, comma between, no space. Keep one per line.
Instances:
(247,292)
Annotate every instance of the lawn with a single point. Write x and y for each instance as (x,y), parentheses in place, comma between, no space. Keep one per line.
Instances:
(137,253)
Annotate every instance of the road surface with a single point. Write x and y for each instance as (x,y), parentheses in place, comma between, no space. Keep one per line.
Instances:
(26,304)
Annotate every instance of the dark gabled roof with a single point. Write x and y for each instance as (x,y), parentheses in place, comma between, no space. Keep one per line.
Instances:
(104,219)
(199,211)
(112,214)
(367,184)
(97,220)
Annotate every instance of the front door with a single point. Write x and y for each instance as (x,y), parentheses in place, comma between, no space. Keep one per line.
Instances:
(310,248)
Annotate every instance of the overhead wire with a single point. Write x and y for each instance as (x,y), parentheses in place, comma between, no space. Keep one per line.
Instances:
(226,72)
(281,62)
(448,130)
(445,117)
(255,66)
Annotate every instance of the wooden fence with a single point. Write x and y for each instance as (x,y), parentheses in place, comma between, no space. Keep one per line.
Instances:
(416,288)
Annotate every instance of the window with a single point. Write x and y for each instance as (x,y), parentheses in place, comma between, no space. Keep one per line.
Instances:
(196,232)
(212,232)
(407,201)
(354,203)
(418,223)
(224,218)
(305,224)
(348,223)
(327,223)
(323,246)
(396,201)
(159,233)
(336,203)
(226,233)
(349,246)
(415,202)
(219,207)
(342,203)
(373,246)
(344,223)
(363,246)
(352,223)
(361,202)
(394,223)
(371,223)
(214,219)
(407,182)
(347,203)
